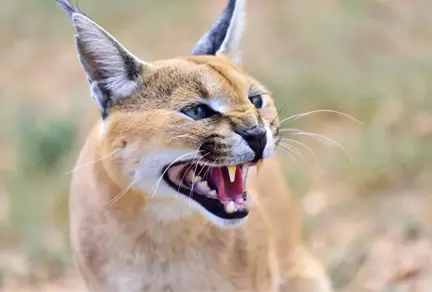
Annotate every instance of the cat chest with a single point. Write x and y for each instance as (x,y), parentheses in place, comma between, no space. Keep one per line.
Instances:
(189,272)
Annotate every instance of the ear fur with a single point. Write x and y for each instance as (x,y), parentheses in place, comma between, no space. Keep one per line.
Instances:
(112,71)
(225,35)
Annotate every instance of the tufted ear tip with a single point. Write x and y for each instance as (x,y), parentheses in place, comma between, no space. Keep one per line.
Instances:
(69,8)
(224,37)
(112,71)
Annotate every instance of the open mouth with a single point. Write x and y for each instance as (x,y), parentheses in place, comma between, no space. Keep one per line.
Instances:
(220,190)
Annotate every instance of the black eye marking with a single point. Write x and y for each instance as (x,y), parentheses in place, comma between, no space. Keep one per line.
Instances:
(199,112)
(257,101)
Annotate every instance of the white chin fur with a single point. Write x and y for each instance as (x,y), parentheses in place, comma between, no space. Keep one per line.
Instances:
(223,223)
(181,207)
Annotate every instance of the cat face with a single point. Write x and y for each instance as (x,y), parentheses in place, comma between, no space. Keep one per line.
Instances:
(185,130)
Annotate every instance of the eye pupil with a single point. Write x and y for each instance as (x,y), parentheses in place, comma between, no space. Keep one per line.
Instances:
(199,112)
(257,101)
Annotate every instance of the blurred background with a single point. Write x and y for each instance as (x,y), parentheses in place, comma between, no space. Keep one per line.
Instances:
(366,217)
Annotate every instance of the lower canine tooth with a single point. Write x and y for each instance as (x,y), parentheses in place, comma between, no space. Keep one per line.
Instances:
(230,207)
(198,178)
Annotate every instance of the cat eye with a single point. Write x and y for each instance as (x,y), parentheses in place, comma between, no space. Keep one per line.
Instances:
(199,112)
(257,101)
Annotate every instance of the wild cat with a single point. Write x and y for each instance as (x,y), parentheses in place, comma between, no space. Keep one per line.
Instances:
(174,200)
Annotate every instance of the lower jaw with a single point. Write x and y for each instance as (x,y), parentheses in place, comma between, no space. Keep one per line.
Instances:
(217,191)
(212,208)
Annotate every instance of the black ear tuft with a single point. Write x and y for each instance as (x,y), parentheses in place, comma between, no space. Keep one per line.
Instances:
(68,8)
(210,43)
(225,34)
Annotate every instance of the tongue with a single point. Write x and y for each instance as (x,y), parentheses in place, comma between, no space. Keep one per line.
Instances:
(227,190)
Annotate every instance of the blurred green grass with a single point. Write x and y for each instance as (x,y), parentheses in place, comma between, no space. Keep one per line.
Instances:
(370,59)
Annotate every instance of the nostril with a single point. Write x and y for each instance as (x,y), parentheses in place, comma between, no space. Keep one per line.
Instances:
(256,138)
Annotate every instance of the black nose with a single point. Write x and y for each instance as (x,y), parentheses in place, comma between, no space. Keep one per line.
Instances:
(256,139)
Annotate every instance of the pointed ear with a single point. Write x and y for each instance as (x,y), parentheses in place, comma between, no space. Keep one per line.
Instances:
(112,71)
(225,35)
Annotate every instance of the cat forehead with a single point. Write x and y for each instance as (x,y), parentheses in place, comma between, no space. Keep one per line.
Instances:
(215,80)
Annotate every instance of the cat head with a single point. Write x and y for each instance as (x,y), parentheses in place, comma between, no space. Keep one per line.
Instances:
(185,129)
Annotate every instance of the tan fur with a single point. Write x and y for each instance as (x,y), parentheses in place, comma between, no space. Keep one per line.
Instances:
(129,247)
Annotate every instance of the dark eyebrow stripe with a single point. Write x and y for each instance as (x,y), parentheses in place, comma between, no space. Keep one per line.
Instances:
(202,91)
(222,75)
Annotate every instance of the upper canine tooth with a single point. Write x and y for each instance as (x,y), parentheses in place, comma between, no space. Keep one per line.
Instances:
(259,165)
(232,172)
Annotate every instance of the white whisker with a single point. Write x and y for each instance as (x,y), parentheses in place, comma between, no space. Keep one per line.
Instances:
(193,183)
(294,151)
(305,146)
(210,167)
(120,195)
(191,165)
(155,187)
(327,139)
(299,116)
(184,175)
(93,162)
(289,154)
